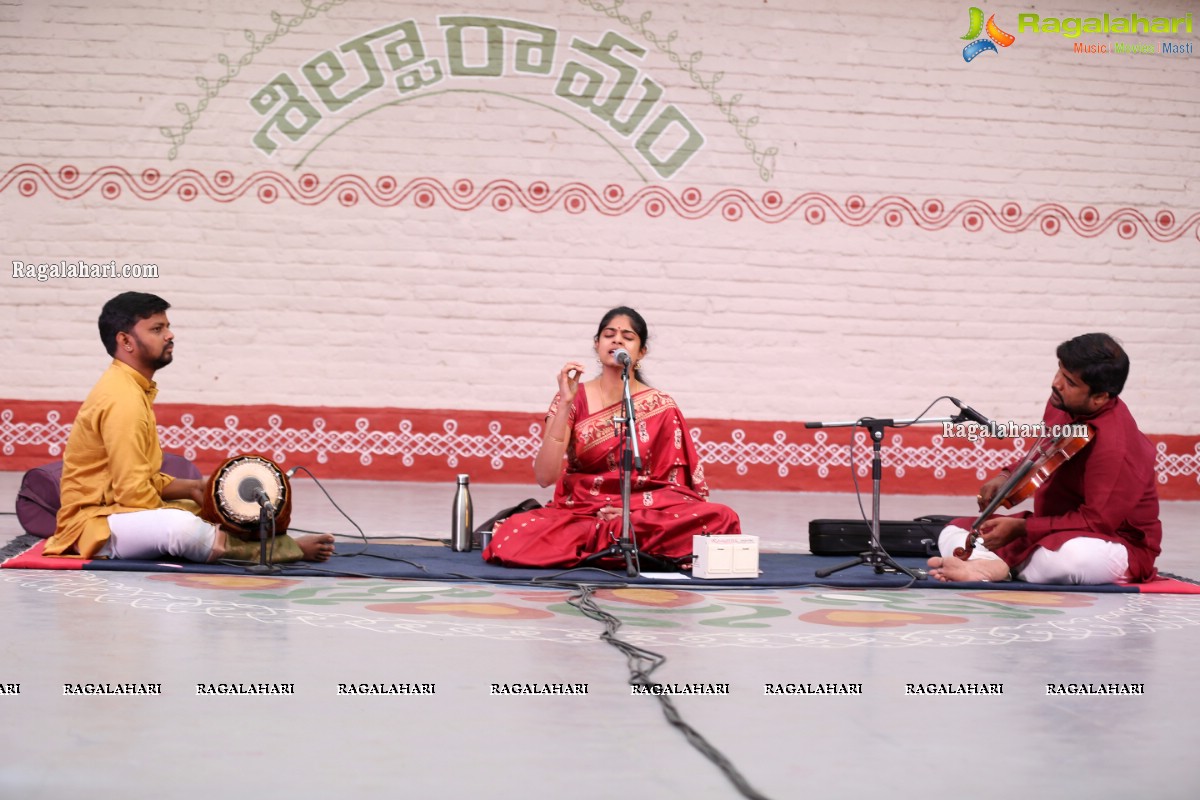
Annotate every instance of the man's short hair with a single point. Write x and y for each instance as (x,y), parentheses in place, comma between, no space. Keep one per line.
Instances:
(123,312)
(1098,360)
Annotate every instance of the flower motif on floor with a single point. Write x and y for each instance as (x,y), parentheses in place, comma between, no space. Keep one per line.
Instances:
(1037,599)
(229,582)
(876,618)
(655,598)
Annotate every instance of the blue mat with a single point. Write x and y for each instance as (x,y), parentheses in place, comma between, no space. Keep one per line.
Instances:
(778,570)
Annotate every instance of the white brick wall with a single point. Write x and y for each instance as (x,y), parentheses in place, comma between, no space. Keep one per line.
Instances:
(285,303)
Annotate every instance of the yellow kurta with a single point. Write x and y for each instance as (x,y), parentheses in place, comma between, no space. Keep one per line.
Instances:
(112,464)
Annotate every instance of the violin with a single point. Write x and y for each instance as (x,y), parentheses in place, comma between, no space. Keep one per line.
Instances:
(1047,455)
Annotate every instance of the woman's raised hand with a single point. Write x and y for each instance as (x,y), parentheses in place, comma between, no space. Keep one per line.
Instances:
(568,380)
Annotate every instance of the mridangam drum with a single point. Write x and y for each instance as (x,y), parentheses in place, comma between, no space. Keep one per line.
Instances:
(237,490)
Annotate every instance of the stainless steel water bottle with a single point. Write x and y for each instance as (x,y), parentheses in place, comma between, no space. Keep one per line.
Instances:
(462,524)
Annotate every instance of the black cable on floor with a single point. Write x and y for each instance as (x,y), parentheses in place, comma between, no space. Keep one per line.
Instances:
(361,534)
(642,663)
(387,538)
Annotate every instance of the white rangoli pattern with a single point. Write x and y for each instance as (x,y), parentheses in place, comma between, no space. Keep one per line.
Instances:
(499,449)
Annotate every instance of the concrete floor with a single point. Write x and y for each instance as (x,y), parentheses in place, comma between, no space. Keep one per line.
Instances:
(180,630)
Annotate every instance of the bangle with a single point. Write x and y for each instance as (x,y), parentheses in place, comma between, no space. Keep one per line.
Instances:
(551,438)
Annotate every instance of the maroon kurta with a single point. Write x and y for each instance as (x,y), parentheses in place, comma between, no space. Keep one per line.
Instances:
(1106,491)
(668,502)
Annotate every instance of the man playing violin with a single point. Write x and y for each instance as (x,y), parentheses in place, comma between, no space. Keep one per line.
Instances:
(1095,519)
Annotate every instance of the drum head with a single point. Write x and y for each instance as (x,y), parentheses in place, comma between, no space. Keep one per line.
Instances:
(233,492)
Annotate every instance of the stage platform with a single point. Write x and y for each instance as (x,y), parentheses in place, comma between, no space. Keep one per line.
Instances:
(338,686)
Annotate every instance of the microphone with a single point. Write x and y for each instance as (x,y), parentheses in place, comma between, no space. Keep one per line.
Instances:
(251,491)
(261,498)
(622,357)
(972,414)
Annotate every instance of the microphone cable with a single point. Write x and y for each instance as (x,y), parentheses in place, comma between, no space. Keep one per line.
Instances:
(362,536)
(642,663)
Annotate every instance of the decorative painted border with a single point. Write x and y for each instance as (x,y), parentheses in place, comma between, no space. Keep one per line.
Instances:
(210,89)
(499,447)
(815,208)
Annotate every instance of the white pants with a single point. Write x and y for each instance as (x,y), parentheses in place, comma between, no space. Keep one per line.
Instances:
(1079,560)
(159,532)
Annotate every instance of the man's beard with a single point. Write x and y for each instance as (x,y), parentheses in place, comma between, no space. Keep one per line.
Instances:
(1058,402)
(165,357)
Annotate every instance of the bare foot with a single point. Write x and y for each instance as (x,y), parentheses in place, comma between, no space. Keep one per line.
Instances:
(316,546)
(977,569)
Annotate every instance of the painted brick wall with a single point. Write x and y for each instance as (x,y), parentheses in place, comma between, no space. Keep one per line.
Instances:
(882,224)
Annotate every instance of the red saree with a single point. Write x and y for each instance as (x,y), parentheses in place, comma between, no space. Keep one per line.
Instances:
(668,498)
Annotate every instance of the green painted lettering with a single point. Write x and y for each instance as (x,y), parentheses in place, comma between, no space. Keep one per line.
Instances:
(1027,23)
(325,70)
(283,97)
(424,73)
(668,165)
(588,95)
(535,57)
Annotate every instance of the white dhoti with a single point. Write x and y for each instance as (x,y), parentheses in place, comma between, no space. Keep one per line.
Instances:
(159,532)
(1080,560)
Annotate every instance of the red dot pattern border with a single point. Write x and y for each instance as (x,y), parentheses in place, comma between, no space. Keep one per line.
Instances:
(115,183)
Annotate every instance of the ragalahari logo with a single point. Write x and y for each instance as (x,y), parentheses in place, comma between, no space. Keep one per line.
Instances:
(994,35)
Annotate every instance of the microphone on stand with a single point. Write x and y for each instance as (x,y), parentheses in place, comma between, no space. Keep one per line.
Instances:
(251,490)
(966,412)
(263,501)
(622,357)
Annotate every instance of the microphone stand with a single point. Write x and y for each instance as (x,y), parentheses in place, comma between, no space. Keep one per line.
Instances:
(876,556)
(266,521)
(631,459)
